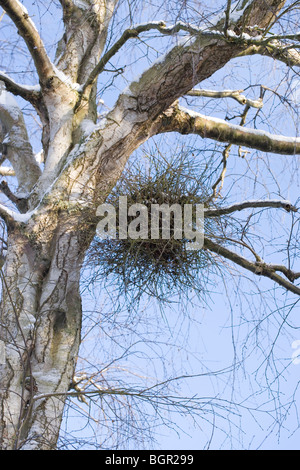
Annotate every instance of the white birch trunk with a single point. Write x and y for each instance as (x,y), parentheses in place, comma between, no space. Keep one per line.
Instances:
(40,326)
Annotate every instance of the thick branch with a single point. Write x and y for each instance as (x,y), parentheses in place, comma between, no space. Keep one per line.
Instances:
(184,121)
(260,269)
(27,30)
(266,14)
(143,109)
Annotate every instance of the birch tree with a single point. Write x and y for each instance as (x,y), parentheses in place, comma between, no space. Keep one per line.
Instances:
(50,213)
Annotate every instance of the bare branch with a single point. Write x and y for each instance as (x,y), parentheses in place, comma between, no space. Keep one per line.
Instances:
(274,38)
(226,153)
(260,269)
(26,28)
(227,16)
(250,204)
(291,275)
(184,121)
(235,94)
(221,178)
(289,8)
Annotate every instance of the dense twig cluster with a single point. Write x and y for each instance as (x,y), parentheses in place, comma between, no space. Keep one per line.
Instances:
(159,267)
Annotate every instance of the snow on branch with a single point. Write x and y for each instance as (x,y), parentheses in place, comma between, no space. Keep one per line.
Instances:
(281,37)
(185,121)
(27,30)
(255,13)
(235,94)
(16,143)
(28,93)
(231,15)
(7,171)
(256,16)
(12,218)
(286,53)
(236,13)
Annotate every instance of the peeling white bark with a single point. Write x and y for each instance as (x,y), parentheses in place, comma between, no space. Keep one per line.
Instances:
(183,120)
(16,141)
